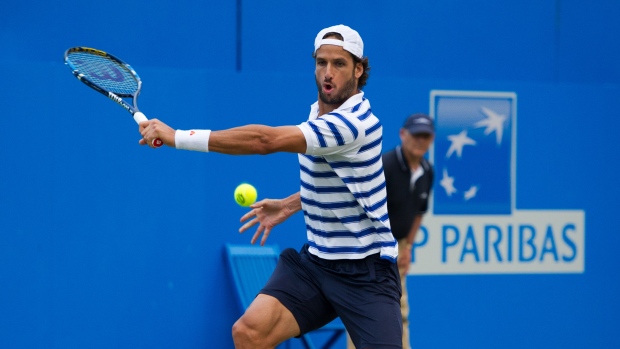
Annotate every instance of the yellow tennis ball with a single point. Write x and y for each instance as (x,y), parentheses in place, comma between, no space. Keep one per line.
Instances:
(245,194)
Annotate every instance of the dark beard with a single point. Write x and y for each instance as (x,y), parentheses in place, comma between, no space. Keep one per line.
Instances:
(347,91)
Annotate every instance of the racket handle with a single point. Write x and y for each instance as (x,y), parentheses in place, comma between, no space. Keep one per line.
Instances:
(140,117)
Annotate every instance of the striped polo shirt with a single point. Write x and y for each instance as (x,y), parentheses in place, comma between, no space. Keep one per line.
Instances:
(343,193)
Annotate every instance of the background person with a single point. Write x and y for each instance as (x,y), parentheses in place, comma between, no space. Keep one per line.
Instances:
(409,179)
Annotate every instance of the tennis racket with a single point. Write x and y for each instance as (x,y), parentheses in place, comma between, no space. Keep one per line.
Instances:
(110,76)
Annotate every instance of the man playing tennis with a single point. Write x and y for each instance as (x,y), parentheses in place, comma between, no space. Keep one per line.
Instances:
(347,268)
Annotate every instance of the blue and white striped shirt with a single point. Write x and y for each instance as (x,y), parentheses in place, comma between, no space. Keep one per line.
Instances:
(343,193)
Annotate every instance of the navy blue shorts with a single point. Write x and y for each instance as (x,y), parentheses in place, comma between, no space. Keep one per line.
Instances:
(364,293)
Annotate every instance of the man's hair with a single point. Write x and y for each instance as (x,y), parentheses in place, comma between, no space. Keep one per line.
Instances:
(361,82)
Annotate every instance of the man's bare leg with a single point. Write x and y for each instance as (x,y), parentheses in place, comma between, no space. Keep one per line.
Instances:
(265,324)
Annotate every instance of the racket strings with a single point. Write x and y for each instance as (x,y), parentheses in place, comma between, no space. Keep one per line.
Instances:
(104,72)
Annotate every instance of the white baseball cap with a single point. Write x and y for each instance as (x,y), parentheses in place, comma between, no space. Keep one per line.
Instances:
(351,42)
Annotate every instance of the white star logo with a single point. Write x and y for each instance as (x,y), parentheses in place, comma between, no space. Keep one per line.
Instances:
(471,192)
(447,183)
(493,122)
(458,142)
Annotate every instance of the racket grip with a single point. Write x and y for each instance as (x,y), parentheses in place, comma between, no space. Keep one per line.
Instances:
(140,117)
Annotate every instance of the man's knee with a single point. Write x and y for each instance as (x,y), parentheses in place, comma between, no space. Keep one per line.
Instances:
(250,332)
(265,324)
(244,336)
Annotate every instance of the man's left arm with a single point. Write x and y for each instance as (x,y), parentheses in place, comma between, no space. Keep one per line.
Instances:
(405,258)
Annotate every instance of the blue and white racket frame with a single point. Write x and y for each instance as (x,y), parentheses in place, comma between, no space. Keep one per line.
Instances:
(116,96)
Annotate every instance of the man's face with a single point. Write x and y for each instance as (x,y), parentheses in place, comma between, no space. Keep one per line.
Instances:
(415,145)
(336,74)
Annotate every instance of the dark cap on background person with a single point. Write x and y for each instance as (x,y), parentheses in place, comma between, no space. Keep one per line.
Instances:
(419,123)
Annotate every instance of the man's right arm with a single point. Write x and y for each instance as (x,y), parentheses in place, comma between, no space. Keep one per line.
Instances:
(258,139)
(249,139)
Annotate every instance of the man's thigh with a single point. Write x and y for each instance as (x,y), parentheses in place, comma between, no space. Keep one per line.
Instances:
(295,285)
(381,331)
(369,305)
(268,319)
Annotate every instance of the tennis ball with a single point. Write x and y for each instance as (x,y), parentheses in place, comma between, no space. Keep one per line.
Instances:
(245,194)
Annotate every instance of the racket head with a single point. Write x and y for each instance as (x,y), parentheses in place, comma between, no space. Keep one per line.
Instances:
(103,71)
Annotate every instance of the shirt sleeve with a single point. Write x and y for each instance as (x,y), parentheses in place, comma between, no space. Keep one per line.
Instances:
(332,134)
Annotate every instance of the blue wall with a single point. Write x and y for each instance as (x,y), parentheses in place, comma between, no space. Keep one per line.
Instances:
(104,243)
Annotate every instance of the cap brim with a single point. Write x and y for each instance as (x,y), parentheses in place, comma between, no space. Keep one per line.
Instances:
(421,128)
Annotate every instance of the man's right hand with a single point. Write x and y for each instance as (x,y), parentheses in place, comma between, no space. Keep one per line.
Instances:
(155,129)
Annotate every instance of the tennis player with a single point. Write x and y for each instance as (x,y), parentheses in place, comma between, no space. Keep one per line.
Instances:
(348,266)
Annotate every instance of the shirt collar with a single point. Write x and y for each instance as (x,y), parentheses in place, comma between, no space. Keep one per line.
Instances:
(348,104)
(401,159)
(419,172)
(404,166)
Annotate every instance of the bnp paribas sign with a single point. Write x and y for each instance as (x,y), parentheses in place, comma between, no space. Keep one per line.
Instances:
(473,226)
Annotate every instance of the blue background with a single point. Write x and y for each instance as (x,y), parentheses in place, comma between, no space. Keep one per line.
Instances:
(106,244)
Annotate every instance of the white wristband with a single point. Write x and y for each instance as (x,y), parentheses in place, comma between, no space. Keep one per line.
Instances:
(192,140)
